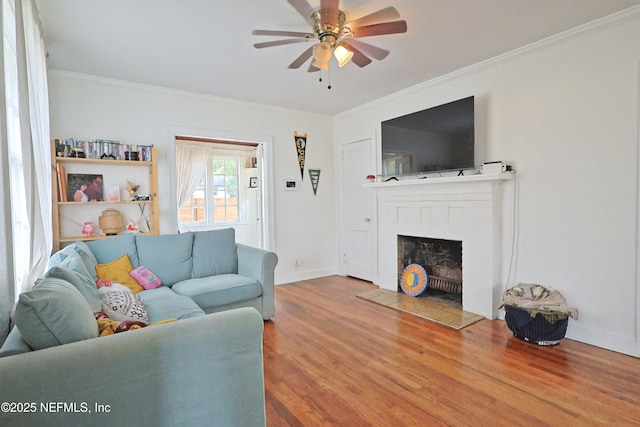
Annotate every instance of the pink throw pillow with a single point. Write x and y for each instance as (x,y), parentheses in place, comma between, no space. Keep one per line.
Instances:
(145,278)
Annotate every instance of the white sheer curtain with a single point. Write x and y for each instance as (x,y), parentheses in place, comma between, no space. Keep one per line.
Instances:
(191,164)
(39,149)
(18,231)
(26,107)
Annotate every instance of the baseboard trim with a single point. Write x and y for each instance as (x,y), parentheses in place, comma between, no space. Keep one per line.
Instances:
(304,275)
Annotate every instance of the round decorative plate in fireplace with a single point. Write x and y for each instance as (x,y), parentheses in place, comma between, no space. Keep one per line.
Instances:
(414,280)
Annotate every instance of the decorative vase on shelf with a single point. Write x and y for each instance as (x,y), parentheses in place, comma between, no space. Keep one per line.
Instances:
(111,222)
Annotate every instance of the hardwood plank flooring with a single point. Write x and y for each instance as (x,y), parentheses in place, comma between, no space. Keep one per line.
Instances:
(332,359)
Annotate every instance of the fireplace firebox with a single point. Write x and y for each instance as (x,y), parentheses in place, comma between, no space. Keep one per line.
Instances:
(441,259)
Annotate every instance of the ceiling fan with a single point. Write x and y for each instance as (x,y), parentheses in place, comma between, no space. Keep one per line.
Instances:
(335,35)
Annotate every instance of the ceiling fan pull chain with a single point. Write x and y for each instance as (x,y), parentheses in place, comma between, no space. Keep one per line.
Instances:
(329,78)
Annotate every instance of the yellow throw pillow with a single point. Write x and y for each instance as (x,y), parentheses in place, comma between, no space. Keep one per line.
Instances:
(118,271)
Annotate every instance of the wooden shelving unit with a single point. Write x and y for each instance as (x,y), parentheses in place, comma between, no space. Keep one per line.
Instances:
(149,209)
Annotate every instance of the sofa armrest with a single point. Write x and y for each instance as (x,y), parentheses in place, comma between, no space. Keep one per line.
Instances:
(260,265)
(190,372)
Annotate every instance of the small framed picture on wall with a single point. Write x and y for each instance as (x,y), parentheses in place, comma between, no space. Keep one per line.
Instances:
(253,182)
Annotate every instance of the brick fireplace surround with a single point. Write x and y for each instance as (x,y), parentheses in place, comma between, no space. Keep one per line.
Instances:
(465,208)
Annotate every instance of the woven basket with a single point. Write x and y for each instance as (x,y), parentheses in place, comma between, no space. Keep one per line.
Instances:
(537,329)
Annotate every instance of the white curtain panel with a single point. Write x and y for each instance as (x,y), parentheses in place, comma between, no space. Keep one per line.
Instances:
(191,164)
(17,146)
(40,148)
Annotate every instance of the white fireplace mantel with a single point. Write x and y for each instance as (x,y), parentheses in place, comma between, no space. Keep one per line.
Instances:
(464,208)
(440,180)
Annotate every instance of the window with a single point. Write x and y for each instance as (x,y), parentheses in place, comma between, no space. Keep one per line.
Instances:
(225,190)
(194,210)
(216,198)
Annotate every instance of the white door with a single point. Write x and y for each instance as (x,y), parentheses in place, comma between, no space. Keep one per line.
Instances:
(358,208)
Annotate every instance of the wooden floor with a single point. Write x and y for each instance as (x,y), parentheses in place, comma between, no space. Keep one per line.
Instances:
(332,359)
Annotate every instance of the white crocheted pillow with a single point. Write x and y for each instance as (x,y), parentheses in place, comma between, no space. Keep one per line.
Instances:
(124,305)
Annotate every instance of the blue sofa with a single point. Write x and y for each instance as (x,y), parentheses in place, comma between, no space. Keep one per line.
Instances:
(204,368)
(208,267)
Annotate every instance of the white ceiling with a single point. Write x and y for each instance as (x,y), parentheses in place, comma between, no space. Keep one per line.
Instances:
(206,46)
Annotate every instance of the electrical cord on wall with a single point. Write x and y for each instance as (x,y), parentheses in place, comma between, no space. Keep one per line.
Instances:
(515,223)
(72,220)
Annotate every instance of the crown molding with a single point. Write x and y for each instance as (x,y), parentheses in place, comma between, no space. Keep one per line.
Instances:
(180,92)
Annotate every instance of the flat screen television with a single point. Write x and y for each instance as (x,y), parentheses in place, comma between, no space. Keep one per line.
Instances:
(437,139)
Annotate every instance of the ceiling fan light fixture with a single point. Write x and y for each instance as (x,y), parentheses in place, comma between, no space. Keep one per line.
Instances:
(321,55)
(343,55)
(329,26)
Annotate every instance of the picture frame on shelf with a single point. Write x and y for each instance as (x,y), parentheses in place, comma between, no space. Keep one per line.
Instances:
(114,193)
(83,187)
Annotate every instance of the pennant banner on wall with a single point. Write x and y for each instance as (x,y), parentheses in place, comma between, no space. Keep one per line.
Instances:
(301,147)
(314,174)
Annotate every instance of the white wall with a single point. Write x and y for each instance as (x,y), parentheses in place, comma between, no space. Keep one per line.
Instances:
(84,107)
(565,114)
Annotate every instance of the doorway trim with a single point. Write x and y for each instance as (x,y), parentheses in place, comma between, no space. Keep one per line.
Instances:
(265,146)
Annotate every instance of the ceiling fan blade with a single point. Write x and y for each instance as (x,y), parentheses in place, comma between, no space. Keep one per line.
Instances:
(380,29)
(329,4)
(374,51)
(280,33)
(359,58)
(329,11)
(278,43)
(297,63)
(302,7)
(388,14)
(312,68)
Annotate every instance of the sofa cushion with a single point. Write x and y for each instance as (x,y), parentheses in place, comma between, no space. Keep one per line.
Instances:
(53,313)
(84,284)
(106,250)
(162,304)
(118,270)
(218,290)
(167,255)
(68,257)
(85,252)
(14,344)
(214,252)
(81,253)
(5,321)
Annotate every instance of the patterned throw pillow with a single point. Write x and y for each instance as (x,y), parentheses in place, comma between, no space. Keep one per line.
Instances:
(105,286)
(124,305)
(145,278)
